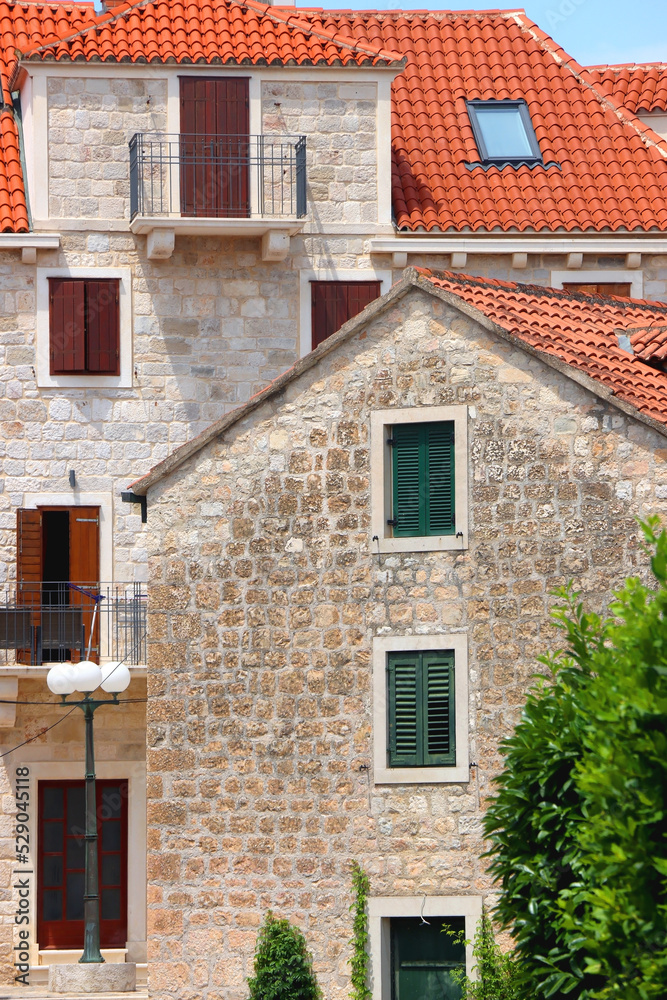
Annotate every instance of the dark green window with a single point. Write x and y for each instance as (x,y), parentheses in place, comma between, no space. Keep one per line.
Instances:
(421,709)
(422,479)
(424,956)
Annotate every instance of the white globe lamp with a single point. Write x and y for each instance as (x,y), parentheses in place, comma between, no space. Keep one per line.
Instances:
(88,676)
(61,680)
(115,677)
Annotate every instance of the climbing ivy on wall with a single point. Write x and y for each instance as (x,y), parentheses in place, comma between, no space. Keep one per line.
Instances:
(359,942)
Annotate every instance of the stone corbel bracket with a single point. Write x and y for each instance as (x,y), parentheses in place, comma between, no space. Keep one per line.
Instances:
(29,244)
(9,689)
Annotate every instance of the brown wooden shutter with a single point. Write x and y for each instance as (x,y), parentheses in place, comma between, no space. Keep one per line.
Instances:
(102,327)
(214,153)
(84,569)
(28,546)
(84,545)
(622,288)
(67,343)
(335,302)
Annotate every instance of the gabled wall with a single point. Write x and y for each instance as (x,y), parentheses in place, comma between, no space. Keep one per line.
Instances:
(270,602)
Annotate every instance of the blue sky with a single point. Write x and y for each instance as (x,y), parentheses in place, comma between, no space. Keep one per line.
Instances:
(593,31)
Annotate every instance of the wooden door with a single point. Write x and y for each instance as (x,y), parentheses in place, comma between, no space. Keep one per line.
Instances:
(84,572)
(424,956)
(214,147)
(61,861)
(46,563)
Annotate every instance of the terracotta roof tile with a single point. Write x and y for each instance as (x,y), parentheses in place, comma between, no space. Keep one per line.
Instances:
(649,342)
(608,173)
(580,329)
(638,87)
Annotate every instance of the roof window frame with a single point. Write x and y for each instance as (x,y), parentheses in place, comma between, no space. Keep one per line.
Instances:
(524,113)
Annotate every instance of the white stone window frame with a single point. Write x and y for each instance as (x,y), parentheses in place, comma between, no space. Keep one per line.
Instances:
(383,275)
(134,772)
(457,642)
(381,463)
(585,277)
(381,909)
(88,381)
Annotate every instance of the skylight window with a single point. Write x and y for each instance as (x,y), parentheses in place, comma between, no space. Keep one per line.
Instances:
(504,132)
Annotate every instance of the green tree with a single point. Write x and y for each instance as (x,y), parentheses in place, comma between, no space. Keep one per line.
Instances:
(283,966)
(579,826)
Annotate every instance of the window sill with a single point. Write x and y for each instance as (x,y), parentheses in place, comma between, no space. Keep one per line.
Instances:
(421,775)
(425,543)
(84,382)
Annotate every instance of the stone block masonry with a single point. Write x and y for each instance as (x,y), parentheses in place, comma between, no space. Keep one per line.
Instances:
(266,593)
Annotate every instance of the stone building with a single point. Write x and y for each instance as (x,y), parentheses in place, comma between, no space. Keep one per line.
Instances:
(335,654)
(162,262)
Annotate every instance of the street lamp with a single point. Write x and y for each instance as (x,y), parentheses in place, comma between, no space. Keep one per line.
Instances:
(86,677)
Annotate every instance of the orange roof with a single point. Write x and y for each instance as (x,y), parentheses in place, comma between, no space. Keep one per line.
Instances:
(579,329)
(640,87)
(604,171)
(649,342)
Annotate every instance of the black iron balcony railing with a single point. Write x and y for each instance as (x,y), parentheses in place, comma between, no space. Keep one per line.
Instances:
(218,176)
(55,621)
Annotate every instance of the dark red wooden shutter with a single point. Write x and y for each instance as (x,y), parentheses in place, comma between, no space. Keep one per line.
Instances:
(102,327)
(28,546)
(334,302)
(67,343)
(214,153)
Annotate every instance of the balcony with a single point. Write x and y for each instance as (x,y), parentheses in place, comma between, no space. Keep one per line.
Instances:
(227,185)
(50,621)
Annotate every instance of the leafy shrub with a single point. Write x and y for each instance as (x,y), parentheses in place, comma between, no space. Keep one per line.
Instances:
(283,965)
(497,971)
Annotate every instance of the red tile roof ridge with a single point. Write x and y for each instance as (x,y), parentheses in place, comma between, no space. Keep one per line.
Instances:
(630,65)
(289,19)
(541,290)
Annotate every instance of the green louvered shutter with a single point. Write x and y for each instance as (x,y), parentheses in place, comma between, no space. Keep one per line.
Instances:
(422,727)
(405,710)
(439,709)
(408,479)
(440,468)
(422,479)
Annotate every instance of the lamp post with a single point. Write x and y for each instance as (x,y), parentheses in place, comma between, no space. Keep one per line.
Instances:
(86,677)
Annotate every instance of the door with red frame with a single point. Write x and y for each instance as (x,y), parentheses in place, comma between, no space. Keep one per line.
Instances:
(56,547)
(61,861)
(215,147)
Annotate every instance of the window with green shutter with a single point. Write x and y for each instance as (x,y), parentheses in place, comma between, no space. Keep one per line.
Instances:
(423,499)
(420,699)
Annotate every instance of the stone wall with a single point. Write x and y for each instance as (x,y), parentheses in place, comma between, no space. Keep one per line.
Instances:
(339,121)
(90,123)
(266,594)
